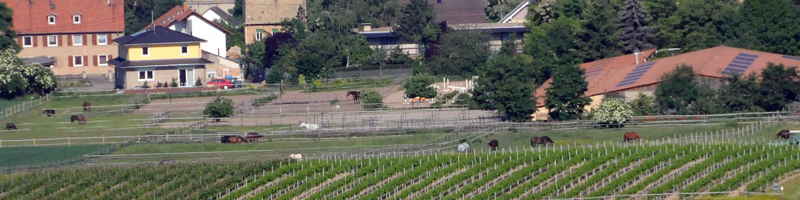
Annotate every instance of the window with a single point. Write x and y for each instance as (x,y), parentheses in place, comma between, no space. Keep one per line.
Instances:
(51,19)
(146,75)
(145,51)
(77,61)
(184,50)
(76,19)
(102,39)
(274,30)
(259,34)
(52,40)
(27,41)
(102,60)
(77,40)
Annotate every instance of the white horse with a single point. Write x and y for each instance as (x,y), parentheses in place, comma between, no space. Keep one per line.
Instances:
(463,147)
(310,127)
(298,157)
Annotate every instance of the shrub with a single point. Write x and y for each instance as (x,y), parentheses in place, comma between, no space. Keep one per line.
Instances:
(371,99)
(198,83)
(613,110)
(174,83)
(145,85)
(219,107)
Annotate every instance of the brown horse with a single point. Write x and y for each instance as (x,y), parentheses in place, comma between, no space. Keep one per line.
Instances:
(493,144)
(356,96)
(232,139)
(631,136)
(49,112)
(253,136)
(11,126)
(540,140)
(87,106)
(783,134)
(79,118)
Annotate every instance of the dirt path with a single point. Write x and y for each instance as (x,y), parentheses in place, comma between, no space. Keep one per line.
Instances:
(316,188)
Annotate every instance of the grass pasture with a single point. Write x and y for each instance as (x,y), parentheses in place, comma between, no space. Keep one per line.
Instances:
(26,156)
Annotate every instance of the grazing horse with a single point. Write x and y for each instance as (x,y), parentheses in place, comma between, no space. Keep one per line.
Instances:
(79,118)
(783,134)
(493,144)
(49,112)
(463,147)
(87,106)
(297,156)
(631,136)
(310,127)
(253,136)
(356,96)
(11,126)
(232,139)
(540,140)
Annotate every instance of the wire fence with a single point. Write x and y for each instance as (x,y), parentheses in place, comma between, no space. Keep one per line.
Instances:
(24,106)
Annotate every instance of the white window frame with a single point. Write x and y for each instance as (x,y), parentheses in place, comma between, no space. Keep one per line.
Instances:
(75,38)
(187,50)
(28,38)
(146,72)
(145,53)
(78,17)
(104,38)
(259,36)
(54,42)
(99,63)
(211,74)
(51,19)
(75,61)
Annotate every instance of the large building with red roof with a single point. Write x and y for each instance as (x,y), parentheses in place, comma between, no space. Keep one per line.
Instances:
(75,35)
(626,76)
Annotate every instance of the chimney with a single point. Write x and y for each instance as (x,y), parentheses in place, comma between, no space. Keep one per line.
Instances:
(185,6)
(636,53)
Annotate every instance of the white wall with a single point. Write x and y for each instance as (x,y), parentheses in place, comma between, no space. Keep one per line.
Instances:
(211,16)
(216,38)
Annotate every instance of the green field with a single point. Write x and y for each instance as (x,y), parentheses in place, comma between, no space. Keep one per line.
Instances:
(26,156)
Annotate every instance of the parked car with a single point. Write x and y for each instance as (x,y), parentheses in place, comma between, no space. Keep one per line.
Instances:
(220,83)
(237,83)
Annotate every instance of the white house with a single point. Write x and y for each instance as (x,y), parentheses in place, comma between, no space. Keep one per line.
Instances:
(181,18)
(216,13)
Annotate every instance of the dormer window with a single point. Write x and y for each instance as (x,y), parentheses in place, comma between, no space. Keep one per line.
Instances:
(51,19)
(76,19)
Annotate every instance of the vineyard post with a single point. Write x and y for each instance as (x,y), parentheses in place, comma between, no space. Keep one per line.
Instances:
(34,141)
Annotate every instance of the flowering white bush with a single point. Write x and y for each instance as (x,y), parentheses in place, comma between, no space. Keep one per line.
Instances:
(16,78)
(613,111)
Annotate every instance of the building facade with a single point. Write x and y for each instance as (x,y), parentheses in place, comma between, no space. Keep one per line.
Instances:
(262,18)
(75,35)
(182,19)
(158,55)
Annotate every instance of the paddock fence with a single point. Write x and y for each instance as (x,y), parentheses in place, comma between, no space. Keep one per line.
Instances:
(24,106)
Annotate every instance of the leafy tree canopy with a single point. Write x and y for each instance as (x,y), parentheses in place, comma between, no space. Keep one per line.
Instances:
(643,105)
(415,22)
(7,33)
(565,99)
(219,107)
(371,99)
(613,110)
(504,86)
(779,86)
(677,90)
(635,32)
(420,86)
(138,13)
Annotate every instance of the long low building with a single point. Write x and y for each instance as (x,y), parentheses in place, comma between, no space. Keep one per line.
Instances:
(628,75)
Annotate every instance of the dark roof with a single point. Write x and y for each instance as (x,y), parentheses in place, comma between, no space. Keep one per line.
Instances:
(457,11)
(42,60)
(157,35)
(180,14)
(225,16)
(121,63)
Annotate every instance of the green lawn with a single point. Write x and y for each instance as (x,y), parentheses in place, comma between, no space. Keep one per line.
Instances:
(6,103)
(754,197)
(792,187)
(22,156)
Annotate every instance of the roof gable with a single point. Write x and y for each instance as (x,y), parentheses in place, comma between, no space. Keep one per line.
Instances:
(157,35)
(96,16)
(179,14)
(224,15)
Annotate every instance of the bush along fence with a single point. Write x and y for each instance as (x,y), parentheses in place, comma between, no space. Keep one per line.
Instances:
(24,106)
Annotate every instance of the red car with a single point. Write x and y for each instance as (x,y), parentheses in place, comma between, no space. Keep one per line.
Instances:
(221,83)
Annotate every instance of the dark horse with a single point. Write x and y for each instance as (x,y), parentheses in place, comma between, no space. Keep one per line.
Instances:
(253,136)
(631,136)
(232,139)
(49,112)
(79,118)
(493,144)
(783,134)
(356,96)
(11,126)
(87,106)
(540,140)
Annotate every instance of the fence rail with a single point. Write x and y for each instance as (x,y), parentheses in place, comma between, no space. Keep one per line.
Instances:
(23,106)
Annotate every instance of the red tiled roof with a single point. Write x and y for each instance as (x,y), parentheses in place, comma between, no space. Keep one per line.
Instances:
(179,13)
(711,62)
(30,17)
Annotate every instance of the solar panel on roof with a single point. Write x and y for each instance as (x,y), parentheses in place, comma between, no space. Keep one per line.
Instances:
(790,57)
(637,73)
(740,63)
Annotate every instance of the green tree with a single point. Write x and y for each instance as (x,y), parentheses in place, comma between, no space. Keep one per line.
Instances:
(773,25)
(7,33)
(318,55)
(371,99)
(596,39)
(219,107)
(677,91)
(460,53)
(613,111)
(41,79)
(138,13)
(497,9)
(636,34)
(741,93)
(236,38)
(700,24)
(12,81)
(420,86)
(504,86)
(415,23)
(237,11)
(552,46)
(643,105)
(254,66)
(779,86)
(565,99)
